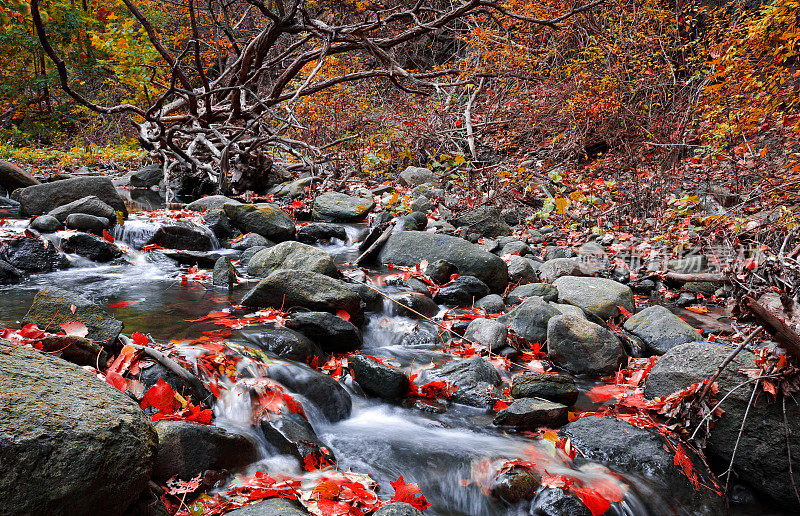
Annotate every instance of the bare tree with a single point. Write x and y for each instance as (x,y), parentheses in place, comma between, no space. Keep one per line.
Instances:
(223,123)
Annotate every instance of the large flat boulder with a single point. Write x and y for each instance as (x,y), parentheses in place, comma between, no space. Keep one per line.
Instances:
(339,207)
(409,248)
(41,199)
(69,443)
(52,306)
(89,205)
(290,255)
(599,296)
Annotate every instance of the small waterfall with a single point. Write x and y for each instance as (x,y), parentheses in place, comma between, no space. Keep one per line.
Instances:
(135,233)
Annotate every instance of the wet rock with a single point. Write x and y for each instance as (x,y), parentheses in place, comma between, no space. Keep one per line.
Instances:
(330,332)
(631,450)
(148,504)
(414,176)
(211,202)
(147,176)
(569,310)
(46,224)
(372,300)
(485,221)
(531,414)
(529,319)
(491,304)
(69,442)
(761,457)
(219,224)
(9,204)
(91,247)
(660,329)
(598,296)
(321,233)
(583,347)
(514,247)
(291,434)
(152,373)
(31,254)
(552,501)
(249,241)
(183,235)
(40,199)
(440,271)
(288,288)
(487,332)
(80,351)
(203,259)
(9,274)
(285,343)
(339,207)
(686,299)
(553,269)
(266,220)
(324,392)
(419,303)
(376,378)
(88,223)
(554,387)
(271,507)
(475,378)
(520,271)
(463,291)
(53,306)
(224,274)
(411,222)
(291,255)
(186,449)
(543,290)
(248,253)
(515,485)
(13,177)
(89,205)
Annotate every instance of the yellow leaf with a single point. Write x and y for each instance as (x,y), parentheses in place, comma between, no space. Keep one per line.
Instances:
(459,159)
(561,205)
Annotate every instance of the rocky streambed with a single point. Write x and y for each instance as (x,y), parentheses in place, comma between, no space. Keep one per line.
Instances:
(226,358)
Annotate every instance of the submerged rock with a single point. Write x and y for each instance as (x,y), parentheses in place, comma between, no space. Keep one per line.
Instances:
(324,392)
(285,343)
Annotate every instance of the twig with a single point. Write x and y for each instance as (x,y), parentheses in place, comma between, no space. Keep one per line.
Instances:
(739,437)
(789,449)
(727,361)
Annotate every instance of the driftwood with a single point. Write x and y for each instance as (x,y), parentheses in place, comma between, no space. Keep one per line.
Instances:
(375,247)
(775,327)
(700,277)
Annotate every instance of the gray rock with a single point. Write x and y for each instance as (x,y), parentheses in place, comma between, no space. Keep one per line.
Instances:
(552,501)
(554,387)
(463,291)
(583,347)
(553,269)
(271,507)
(203,259)
(183,235)
(13,177)
(487,332)
(569,310)
(31,254)
(69,442)
(514,247)
(520,271)
(598,296)
(529,319)
(40,199)
(412,247)
(485,221)
(474,377)
(249,241)
(761,459)
(414,176)
(543,290)
(686,299)
(324,392)
(186,449)
(218,222)
(224,273)
(631,450)
(397,509)
(339,207)
(267,220)
(379,379)
(321,233)
(288,288)
(421,204)
(295,188)
(491,304)
(147,176)
(285,343)
(419,303)
(440,271)
(330,332)
(689,265)
(9,274)
(88,223)
(291,255)
(53,306)
(531,414)
(291,434)
(90,205)
(660,329)
(46,224)
(91,247)
(248,253)
(211,202)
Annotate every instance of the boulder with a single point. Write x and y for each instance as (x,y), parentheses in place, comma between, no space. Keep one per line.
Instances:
(271,507)
(419,303)
(294,188)
(414,176)
(529,319)
(249,241)
(409,248)
(149,375)
(291,434)
(543,290)
(440,271)
(491,304)
(598,296)
(9,274)
(291,255)
(761,457)
(211,202)
(513,247)
(186,449)
(224,273)
(520,271)
(474,378)
(88,223)
(376,378)
(147,176)
(531,414)
(554,387)
(321,233)
(553,269)
(487,332)
(89,205)
(46,224)
(69,442)
(485,221)
(183,235)
(421,204)
(583,347)
(330,332)
(40,199)
(203,259)
(31,254)
(285,343)
(339,207)
(630,450)
(247,254)
(220,224)
(267,220)
(321,390)
(287,288)
(52,307)
(13,177)
(660,329)
(463,291)
(91,247)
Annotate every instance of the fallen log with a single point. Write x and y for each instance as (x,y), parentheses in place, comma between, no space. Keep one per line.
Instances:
(784,335)
(700,277)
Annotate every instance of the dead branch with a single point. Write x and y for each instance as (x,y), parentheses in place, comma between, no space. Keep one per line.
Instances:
(775,327)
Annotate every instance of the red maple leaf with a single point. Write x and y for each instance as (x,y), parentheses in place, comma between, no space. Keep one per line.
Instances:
(409,493)
(161,396)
